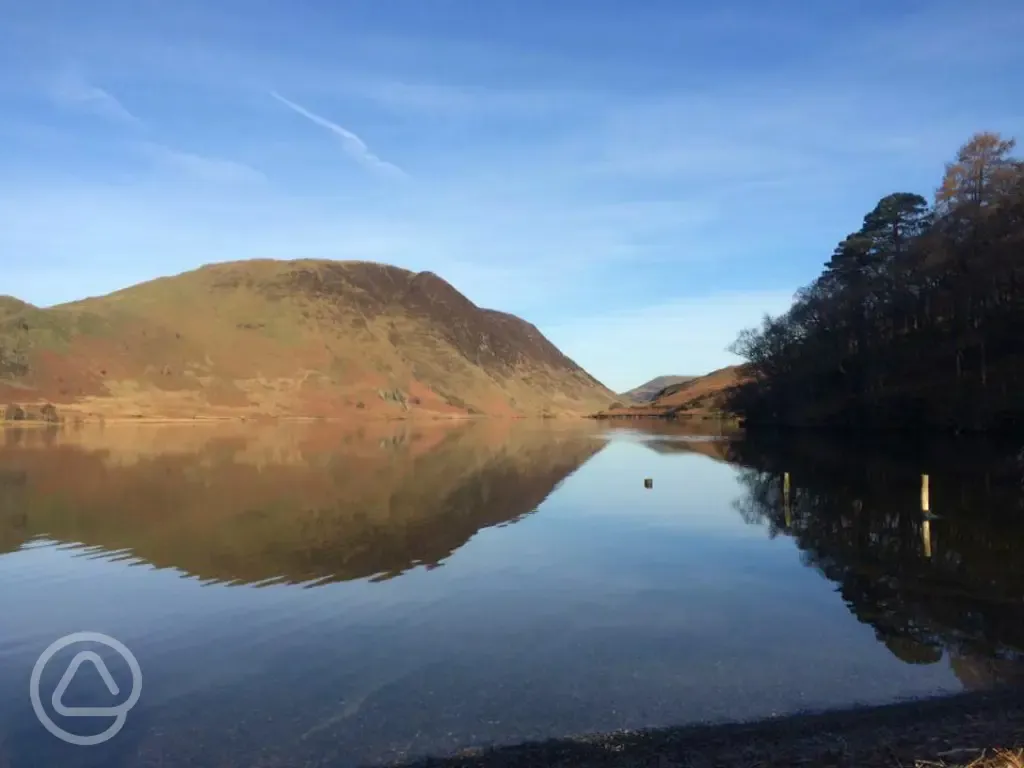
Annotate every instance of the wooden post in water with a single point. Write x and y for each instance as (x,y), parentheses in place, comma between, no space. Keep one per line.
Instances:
(926,524)
(785,499)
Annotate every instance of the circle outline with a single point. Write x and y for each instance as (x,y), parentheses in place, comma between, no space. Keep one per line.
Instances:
(120,712)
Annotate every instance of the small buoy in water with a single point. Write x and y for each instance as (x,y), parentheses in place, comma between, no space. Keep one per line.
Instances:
(648,482)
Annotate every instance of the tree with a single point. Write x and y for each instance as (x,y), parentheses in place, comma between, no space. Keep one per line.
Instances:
(983,170)
(895,222)
(916,318)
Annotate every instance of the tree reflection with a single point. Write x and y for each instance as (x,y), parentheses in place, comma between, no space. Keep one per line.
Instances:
(930,586)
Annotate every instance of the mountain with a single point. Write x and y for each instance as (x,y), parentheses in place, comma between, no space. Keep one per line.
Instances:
(279,338)
(649,390)
(699,396)
(699,392)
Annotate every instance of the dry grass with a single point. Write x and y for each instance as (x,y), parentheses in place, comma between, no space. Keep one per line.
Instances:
(999,758)
(286,338)
(701,393)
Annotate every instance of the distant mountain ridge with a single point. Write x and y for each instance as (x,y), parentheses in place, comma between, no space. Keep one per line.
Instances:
(647,391)
(699,396)
(286,338)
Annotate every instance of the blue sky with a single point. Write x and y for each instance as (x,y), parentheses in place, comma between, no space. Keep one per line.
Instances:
(640,180)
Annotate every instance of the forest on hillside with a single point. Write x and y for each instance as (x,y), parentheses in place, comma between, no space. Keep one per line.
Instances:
(916,321)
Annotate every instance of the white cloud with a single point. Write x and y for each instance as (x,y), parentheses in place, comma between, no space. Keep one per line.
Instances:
(215,170)
(71,90)
(354,145)
(449,100)
(689,336)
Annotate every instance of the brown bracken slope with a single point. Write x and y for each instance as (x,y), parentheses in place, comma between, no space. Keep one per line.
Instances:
(697,397)
(286,338)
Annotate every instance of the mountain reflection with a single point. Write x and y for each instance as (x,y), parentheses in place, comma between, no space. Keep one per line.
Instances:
(311,504)
(950,582)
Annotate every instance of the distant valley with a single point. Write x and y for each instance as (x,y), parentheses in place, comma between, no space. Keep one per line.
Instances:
(693,396)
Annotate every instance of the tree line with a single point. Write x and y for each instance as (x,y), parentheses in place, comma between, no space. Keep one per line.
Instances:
(917,319)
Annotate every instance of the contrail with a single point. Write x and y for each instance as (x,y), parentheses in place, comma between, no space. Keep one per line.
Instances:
(354,145)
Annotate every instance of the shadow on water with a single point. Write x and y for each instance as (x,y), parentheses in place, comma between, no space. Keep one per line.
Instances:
(923,541)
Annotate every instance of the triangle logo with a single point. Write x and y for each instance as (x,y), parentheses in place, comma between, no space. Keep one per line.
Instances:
(69,674)
(118,712)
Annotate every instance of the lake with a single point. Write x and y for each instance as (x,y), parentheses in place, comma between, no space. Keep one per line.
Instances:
(311,593)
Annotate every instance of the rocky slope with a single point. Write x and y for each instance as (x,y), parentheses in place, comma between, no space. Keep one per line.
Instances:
(280,338)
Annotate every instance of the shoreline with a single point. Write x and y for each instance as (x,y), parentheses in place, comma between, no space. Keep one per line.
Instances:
(258,419)
(828,430)
(432,418)
(949,730)
(216,420)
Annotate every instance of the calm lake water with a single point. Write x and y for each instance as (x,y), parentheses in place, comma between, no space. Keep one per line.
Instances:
(318,594)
